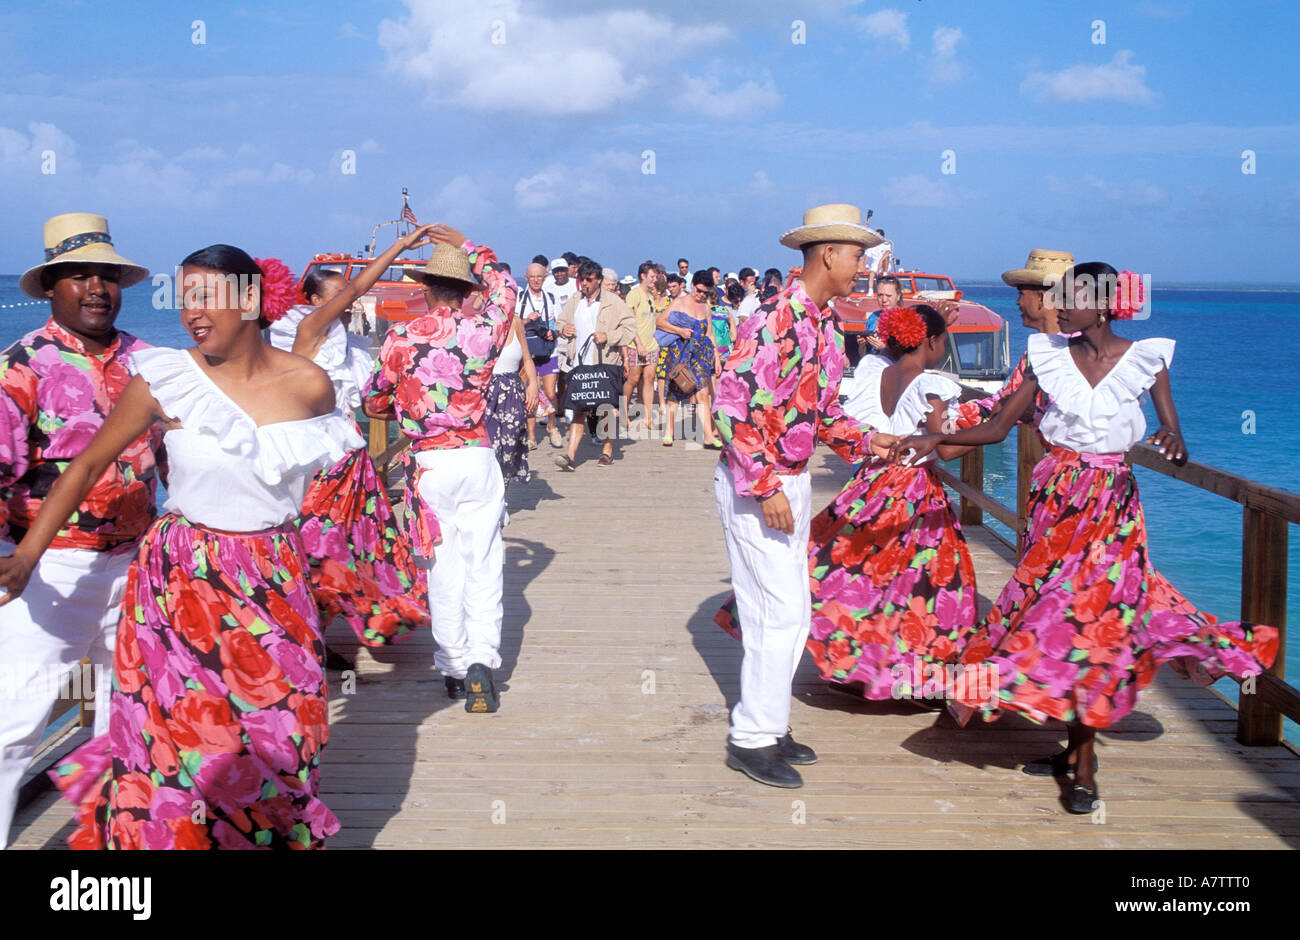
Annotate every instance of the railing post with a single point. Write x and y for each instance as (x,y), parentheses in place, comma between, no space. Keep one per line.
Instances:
(972,474)
(1263,600)
(1029,450)
(378,444)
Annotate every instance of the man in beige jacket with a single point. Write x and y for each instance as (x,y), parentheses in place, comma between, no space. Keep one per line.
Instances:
(602,317)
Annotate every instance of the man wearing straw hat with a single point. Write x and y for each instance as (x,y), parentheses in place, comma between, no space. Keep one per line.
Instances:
(778,395)
(57,385)
(432,375)
(1033,284)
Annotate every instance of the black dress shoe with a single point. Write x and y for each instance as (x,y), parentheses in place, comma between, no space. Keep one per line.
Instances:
(1082,800)
(1058,765)
(480,691)
(794,752)
(455,688)
(338,662)
(764,764)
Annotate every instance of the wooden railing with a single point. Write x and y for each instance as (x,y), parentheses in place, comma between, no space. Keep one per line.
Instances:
(1266,513)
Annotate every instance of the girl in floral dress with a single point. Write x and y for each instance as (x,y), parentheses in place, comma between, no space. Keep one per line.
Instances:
(892,580)
(362,565)
(219,709)
(1086,620)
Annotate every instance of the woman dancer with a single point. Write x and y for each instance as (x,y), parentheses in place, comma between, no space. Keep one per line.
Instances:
(893,582)
(509,401)
(1086,620)
(219,706)
(362,567)
(683,337)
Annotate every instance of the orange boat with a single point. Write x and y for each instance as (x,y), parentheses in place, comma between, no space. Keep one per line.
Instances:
(395,297)
(979,341)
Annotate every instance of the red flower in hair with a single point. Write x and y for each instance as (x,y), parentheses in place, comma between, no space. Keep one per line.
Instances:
(279,288)
(904,324)
(1129,296)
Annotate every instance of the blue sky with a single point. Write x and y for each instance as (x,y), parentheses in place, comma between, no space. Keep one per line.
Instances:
(1128,151)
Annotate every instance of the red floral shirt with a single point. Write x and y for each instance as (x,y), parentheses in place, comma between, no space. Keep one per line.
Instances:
(54,398)
(779,394)
(434,370)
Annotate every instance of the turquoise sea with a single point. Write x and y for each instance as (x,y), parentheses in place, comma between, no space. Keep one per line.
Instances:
(1235,357)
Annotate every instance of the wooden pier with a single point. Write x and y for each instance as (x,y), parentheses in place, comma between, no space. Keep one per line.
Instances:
(616,686)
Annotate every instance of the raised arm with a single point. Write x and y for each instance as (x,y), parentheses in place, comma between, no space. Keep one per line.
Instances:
(135,411)
(990,432)
(315,326)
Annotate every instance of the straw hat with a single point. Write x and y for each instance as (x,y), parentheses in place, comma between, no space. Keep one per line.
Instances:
(450,262)
(79,237)
(1043,269)
(837,222)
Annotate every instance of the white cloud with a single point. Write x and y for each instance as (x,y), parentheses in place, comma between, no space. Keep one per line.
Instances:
(887,27)
(1117,80)
(349,31)
(21,152)
(577,63)
(760,184)
(463,201)
(703,95)
(369,145)
(944,67)
(920,192)
(1134,194)
(586,190)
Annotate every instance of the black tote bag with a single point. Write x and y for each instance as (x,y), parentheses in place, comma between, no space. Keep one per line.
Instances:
(588,387)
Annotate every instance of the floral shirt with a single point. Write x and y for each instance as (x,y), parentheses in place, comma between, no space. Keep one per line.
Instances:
(55,397)
(434,371)
(779,394)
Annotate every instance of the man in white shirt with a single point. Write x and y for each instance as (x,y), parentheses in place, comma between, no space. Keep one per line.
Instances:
(748,280)
(561,286)
(538,312)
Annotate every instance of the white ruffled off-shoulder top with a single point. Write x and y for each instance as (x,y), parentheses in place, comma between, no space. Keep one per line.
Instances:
(913,406)
(225,471)
(344,356)
(1107,419)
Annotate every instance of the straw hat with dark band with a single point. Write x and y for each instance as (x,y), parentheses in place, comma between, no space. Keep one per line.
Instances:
(838,222)
(1043,269)
(448,262)
(79,238)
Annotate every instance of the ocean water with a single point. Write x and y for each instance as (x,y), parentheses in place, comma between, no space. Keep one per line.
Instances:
(1234,386)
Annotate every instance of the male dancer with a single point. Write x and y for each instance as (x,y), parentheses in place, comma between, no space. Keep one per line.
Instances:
(777,396)
(432,375)
(57,384)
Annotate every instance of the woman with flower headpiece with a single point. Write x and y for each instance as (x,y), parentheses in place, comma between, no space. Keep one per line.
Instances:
(362,564)
(218,710)
(1086,620)
(892,580)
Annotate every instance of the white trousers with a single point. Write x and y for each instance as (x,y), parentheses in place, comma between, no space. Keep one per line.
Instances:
(769,573)
(68,611)
(465,489)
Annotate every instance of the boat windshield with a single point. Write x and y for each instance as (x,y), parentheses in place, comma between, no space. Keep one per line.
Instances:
(395,273)
(977,353)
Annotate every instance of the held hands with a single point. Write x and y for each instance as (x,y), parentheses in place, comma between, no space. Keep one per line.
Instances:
(1170,443)
(420,237)
(14,575)
(948,310)
(447,235)
(882,444)
(910,450)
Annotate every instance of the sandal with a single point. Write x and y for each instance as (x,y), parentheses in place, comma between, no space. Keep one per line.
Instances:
(564,463)
(668,441)
(605,460)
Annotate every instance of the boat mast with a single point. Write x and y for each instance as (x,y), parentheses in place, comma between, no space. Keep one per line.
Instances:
(405,223)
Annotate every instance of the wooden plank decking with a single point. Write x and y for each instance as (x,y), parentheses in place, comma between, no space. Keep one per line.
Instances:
(614,713)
